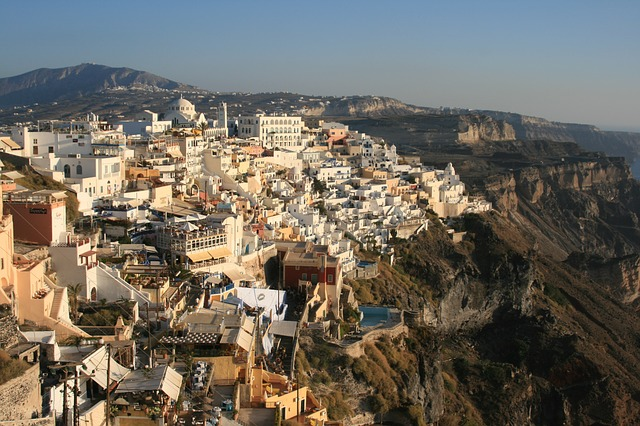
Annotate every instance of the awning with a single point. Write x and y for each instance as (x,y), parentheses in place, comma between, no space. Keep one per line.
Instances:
(237,275)
(10,143)
(95,365)
(163,378)
(199,256)
(175,154)
(219,253)
(237,336)
(13,175)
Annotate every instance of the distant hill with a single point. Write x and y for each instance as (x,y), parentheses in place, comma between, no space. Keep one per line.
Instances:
(115,94)
(53,85)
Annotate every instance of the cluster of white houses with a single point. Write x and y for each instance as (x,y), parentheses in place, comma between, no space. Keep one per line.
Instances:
(218,198)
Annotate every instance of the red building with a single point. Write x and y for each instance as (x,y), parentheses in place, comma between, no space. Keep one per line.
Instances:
(38,216)
(313,266)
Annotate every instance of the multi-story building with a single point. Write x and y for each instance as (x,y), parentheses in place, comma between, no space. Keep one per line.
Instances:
(274,131)
(39,216)
(194,245)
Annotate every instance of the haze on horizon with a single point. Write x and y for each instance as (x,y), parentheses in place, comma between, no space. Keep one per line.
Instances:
(570,61)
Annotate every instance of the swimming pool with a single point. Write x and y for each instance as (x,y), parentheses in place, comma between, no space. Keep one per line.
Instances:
(373,315)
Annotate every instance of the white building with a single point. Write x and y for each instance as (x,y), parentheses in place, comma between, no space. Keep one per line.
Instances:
(274,131)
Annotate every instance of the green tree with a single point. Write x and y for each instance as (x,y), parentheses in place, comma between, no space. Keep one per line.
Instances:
(318,186)
(73,293)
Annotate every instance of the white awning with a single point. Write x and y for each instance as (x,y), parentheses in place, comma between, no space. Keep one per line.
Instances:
(95,366)
(162,378)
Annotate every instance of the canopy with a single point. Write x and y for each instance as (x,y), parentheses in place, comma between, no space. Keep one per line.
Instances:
(95,365)
(161,378)
(175,219)
(199,256)
(189,227)
(195,216)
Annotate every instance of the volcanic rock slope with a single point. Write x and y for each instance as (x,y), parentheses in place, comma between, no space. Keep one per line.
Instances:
(532,319)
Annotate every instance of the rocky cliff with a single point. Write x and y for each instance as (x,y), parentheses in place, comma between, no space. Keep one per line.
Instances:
(531,320)
(591,138)
(576,205)
(361,106)
(475,128)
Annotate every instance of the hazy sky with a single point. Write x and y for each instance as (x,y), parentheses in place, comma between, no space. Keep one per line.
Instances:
(573,61)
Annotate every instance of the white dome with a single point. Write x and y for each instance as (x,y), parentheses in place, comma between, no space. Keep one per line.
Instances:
(181,105)
(450,170)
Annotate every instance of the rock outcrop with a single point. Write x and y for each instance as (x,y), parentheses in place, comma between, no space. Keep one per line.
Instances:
(362,106)
(476,128)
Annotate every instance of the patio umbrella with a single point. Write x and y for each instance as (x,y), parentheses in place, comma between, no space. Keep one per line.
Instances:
(189,227)
(121,401)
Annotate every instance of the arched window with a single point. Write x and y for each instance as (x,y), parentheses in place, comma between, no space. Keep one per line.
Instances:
(79,170)
(94,294)
(67,170)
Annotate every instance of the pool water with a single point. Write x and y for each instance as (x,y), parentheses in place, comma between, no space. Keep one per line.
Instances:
(373,315)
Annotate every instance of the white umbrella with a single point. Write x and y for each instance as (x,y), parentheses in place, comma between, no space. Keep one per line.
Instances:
(196,216)
(175,219)
(189,227)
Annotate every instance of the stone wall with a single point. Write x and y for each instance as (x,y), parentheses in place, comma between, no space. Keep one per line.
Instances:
(20,397)
(8,331)
(47,421)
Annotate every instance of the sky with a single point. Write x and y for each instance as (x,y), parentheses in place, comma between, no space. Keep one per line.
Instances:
(564,60)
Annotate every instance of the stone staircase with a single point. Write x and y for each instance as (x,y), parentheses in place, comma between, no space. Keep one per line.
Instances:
(59,295)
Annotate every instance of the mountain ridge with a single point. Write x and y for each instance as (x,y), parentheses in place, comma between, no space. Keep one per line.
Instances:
(55,84)
(36,95)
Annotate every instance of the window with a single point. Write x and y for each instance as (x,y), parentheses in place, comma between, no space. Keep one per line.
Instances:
(304,276)
(67,170)
(35,141)
(79,169)
(35,150)
(50,150)
(2,263)
(330,278)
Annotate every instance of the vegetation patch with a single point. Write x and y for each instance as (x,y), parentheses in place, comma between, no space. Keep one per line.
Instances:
(11,368)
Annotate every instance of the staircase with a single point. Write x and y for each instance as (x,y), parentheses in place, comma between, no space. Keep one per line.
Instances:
(136,294)
(59,295)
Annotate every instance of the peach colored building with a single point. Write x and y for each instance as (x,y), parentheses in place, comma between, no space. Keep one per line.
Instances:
(24,285)
(270,390)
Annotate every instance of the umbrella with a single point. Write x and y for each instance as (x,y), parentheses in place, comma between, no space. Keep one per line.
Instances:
(189,227)
(121,401)
(175,219)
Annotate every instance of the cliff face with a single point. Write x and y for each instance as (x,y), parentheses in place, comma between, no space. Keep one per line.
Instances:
(476,128)
(524,339)
(362,106)
(588,205)
(589,137)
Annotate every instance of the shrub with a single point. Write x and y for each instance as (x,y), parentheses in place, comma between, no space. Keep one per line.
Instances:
(337,407)
(462,368)
(555,294)
(416,415)
(11,368)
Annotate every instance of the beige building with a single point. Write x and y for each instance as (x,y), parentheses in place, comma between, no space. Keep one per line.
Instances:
(24,286)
